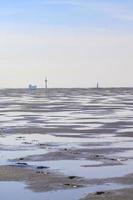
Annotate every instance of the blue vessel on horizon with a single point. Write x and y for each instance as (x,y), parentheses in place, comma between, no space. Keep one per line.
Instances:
(32,87)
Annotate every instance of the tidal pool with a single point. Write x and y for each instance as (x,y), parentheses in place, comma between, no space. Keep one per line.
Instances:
(15,191)
(78,168)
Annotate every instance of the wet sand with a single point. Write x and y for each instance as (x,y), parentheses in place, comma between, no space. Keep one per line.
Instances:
(39,180)
(68,139)
(126,194)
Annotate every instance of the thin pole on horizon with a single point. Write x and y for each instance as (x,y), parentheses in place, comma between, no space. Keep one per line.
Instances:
(46,83)
(97,85)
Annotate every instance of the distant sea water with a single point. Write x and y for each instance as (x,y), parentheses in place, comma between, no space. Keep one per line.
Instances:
(66,111)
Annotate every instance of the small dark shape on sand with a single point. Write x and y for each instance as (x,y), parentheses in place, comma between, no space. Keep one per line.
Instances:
(21,158)
(20,137)
(99,193)
(22,164)
(97,156)
(26,142)
(42,167)
(72,177)
(42,144)
(71,185)
(41,172)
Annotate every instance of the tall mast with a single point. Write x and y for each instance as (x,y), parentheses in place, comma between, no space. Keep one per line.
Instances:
(46,83)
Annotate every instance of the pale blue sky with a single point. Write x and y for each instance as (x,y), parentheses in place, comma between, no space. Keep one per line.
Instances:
(74,42)
(113,14)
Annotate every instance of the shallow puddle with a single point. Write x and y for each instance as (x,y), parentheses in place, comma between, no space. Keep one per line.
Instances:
(6,156)
(15,191)
(85,169)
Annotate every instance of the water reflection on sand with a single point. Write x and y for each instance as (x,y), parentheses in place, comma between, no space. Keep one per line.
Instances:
(66,118)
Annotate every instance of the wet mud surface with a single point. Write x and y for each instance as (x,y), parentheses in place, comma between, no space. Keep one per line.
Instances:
(68,141)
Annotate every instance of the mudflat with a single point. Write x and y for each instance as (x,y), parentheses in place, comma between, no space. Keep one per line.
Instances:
(67,141)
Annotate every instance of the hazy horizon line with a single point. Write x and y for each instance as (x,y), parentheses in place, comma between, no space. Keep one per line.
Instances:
(108,87)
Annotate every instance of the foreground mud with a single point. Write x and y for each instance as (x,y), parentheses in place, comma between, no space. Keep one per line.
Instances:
(68,139)
(40,181)
(126,194)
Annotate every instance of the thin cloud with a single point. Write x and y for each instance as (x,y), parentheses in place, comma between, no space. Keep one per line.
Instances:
(114,9)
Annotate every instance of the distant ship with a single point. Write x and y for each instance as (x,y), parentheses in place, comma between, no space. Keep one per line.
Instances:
(32,87)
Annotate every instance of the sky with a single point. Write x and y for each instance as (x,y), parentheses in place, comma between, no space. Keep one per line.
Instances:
(74,43)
